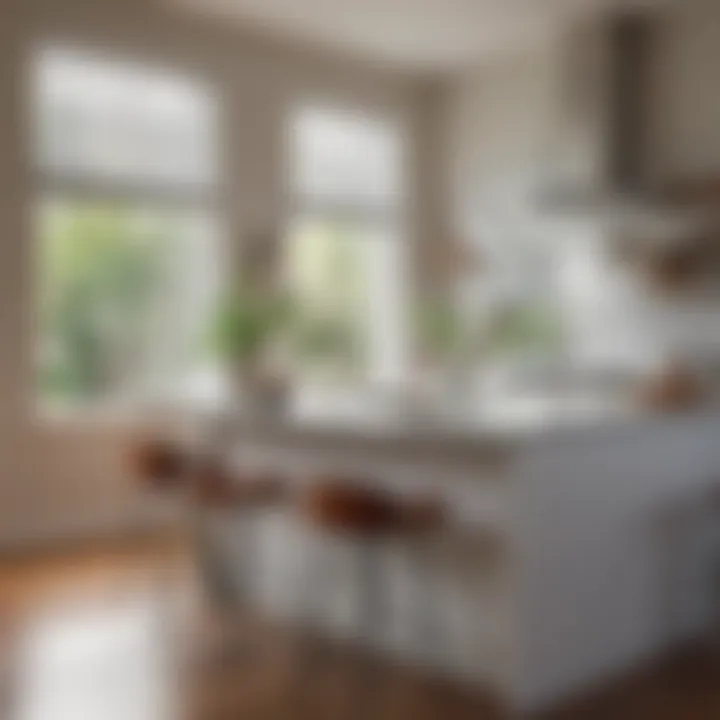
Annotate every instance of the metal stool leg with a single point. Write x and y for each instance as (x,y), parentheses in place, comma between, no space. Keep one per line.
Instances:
(230,589)
(370,588)
(229,585)
(428,611)
(305,656)
(373,605)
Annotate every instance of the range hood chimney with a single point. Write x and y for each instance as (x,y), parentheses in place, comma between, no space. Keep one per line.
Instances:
(604,108)
(629,64)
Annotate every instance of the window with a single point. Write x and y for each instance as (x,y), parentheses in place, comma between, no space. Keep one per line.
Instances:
(127,233)
(345,255)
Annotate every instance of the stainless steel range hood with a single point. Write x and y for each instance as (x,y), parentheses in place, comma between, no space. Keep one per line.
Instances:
(604,106)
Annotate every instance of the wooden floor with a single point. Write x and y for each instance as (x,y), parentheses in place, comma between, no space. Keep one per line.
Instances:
(123,633)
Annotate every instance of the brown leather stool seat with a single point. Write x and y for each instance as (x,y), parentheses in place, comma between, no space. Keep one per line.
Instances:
(219,486)
(159,464)
(355,509)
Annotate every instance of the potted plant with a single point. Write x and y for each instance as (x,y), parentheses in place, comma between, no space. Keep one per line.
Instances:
(246,331)
(325,345)
(443,335)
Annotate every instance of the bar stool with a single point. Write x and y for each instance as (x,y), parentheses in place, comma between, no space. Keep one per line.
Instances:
(159,464)
(346,508)
(228,569)
(368,517)
(221,491)
(161,468)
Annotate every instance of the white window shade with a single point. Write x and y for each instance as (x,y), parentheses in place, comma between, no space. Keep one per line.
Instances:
(100,121)
(346,159)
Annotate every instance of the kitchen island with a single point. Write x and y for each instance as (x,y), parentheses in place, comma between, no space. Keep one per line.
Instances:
(558,570)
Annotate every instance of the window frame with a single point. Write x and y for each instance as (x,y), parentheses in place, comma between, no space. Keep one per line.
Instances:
(46,184)
(389,217)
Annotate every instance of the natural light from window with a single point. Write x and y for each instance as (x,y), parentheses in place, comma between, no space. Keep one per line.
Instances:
(346,247)
(127,232)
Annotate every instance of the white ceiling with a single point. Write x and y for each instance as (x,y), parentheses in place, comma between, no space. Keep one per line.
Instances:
(413,34)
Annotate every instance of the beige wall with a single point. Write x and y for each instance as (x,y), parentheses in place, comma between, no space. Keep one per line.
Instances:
(58,477)
(498,127)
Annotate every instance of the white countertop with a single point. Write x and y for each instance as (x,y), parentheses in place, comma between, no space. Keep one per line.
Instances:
(488,430)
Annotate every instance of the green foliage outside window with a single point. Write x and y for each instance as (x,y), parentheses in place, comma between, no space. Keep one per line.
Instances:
(329,285)
(525,329)
(101,269)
